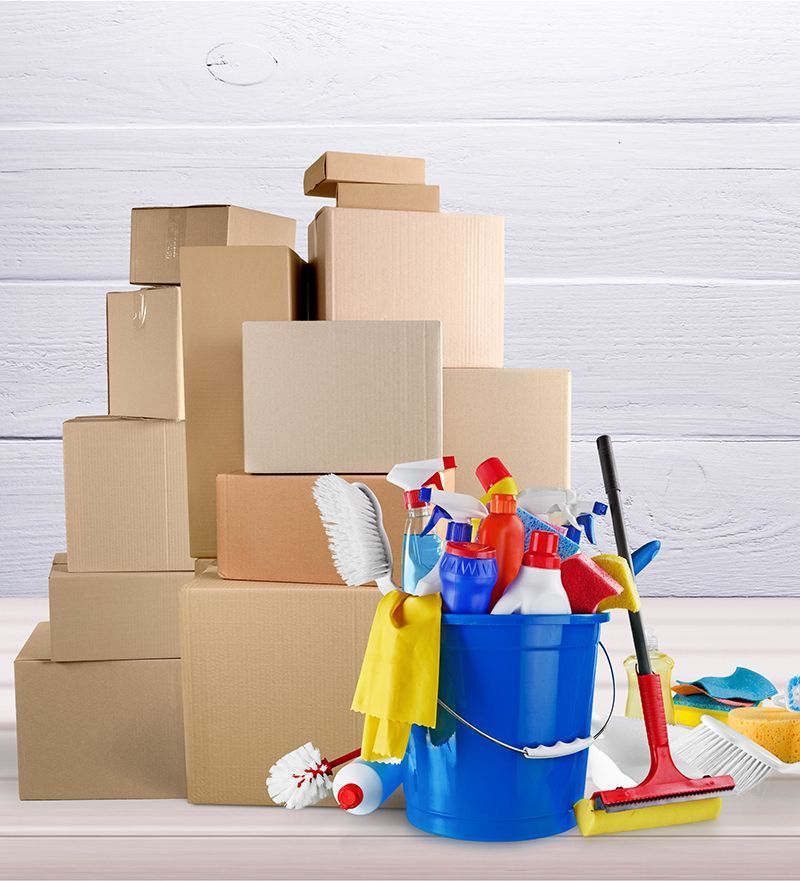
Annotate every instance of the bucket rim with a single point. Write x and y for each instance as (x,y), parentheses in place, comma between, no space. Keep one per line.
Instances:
(487,620)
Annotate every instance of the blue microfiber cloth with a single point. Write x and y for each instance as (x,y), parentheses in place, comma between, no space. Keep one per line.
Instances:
(793,694)
(742,684)
(566,546)
(700,702)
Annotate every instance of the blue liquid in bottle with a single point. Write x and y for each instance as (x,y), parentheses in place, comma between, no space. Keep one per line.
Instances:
(420,552)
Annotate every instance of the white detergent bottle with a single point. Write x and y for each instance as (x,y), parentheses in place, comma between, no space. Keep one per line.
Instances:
(460,509)
(537,590)
(362,787)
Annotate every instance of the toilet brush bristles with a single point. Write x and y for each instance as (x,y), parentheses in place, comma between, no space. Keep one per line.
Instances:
(303,777)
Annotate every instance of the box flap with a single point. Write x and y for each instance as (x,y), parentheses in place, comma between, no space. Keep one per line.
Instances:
(37,647)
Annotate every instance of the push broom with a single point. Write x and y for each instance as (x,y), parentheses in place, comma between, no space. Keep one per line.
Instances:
(666,797)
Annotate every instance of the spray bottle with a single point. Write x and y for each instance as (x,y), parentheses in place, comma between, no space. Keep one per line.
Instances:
(562,507)
(362,787)
(460,509)
(421,551)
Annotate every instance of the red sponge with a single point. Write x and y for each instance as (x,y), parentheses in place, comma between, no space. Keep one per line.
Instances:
(586,584)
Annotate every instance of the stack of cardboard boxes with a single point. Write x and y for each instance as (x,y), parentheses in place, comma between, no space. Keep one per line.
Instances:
(404,363)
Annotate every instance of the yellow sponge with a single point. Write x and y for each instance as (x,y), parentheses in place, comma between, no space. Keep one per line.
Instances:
(774,728)
(619,570)
(600,822)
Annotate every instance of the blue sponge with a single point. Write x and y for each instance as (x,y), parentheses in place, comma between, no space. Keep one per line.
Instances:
(566,547)
(700,702)
(742,684)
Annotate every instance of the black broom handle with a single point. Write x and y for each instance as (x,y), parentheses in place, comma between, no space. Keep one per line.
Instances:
(611,481)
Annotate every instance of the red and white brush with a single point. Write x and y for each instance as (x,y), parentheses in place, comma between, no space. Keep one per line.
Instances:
(303,777)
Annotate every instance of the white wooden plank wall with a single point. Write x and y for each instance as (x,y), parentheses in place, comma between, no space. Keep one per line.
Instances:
(645,157)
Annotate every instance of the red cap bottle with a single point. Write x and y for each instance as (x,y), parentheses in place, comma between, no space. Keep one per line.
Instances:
(503,530)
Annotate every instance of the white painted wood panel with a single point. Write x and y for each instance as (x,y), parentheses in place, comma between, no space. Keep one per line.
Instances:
(647,359)
(604,200)
(724,510)
(146,64)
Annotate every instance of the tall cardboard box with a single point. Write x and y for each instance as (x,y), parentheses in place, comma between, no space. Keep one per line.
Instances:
(266,668)
(268,527)
(400,265)
(522,415)
(100,729)
(349,396)
(222,288)
(332,168)
(125,495)
(158,234)
(114,616)
(145,353)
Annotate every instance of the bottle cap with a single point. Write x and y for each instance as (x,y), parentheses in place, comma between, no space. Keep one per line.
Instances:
(461,532)
(542,551)
(470,550)
(502,503)
(412,499)
(490,471)
(573,534)
(350,796)
(599,508)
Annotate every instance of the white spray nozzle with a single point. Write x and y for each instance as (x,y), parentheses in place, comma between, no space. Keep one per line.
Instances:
(555,503)
(459,507)
(413,475)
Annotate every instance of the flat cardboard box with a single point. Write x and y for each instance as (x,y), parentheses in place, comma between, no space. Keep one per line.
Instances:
(145,353)
(114,616)
(522,415)
(266,668)
(388,197)
(125,495)
(401,265)
(158,234)
(333,168)
(268,527)
(348,396)
(100,729)
(223,287)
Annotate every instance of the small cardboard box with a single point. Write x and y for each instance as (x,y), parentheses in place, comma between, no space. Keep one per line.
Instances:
(114,616)
(348,396)
(125,495)
(158,234)
(333,168)
(145,353)
(266,668)
(388,197)
(268,527)
(522,415)
(223,287)
(401,265)
(99,729)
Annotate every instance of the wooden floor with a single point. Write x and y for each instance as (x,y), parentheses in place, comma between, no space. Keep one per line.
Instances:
(756,836)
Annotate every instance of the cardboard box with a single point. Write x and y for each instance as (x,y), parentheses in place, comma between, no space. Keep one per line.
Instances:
(332,168)
(125,495)
(401,265)
(391,197)
(522,415)
(266,668)
(114,616)
(145,353)
(100,729)
(348,396)
(158,234)
(223,287)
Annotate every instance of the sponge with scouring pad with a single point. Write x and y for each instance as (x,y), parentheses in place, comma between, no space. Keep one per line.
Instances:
(619,570)
(566,547)
(586,584)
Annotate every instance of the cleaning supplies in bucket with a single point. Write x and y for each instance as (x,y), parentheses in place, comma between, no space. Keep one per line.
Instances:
(362,787)
(537,589)
(421,548)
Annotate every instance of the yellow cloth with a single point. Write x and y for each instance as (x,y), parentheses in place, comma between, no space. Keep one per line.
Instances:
(399,680)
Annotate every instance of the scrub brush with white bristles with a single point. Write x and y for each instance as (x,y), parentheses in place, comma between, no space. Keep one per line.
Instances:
(302,777)
(351,515)
(715,748)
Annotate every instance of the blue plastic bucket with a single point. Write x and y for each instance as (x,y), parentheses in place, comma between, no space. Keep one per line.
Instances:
(525,680)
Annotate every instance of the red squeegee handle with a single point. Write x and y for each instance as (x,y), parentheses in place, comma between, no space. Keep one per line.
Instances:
(611,481)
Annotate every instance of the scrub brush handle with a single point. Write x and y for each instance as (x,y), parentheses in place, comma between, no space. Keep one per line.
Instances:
(611,482)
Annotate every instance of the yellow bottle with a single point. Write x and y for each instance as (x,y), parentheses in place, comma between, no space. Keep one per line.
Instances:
(661,664)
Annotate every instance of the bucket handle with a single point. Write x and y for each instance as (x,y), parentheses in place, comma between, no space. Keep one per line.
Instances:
(557,749)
